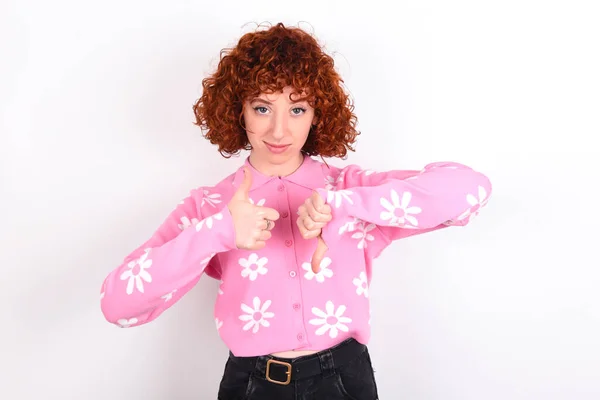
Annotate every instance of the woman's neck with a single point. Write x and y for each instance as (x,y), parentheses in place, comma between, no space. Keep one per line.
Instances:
(284,168)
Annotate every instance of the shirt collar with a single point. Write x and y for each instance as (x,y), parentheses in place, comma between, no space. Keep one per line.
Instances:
(304,176)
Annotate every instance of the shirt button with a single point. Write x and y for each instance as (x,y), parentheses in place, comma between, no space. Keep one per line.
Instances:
(296,306)
(281,188)
(300,337)
(293,274)
(284,214)
(288,243)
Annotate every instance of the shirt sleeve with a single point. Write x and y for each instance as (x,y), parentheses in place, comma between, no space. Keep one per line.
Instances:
(402,203)
(164,268)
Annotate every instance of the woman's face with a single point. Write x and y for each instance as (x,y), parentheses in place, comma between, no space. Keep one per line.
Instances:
(277,128)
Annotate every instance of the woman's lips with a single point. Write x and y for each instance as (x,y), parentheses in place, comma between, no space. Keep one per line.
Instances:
(277,148)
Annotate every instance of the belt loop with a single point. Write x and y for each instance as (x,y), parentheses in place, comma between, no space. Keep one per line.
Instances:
(327,364)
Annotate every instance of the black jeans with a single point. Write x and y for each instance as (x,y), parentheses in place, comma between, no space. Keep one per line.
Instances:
(343,372)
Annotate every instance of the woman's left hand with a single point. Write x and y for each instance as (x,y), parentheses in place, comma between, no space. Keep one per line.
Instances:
(313,215)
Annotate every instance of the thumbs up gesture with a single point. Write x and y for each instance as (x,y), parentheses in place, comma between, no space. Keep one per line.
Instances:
(313,215)
(252,224)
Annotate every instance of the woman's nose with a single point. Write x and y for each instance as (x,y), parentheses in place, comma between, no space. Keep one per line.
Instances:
(279,126)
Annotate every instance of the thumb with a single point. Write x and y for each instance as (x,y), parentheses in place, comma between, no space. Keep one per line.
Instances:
(317,257)
(243,190)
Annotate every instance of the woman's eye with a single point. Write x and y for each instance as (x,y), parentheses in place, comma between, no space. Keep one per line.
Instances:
(261,110)
(298,110)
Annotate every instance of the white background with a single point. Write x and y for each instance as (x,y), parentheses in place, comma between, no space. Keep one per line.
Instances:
(97,146)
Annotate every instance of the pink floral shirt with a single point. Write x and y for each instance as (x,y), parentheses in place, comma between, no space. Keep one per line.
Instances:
(270,300)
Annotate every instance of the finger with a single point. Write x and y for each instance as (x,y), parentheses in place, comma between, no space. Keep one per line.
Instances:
(316,215)
(242,193)
(319,204)
(302,210)
(249,243)
(311,225)
(311,234)
(317,201)
(264,225)
(307,233)
(319,216)
(315,263)
(259,244)
(302,213)
(264,236)
(300,225)
(268,213)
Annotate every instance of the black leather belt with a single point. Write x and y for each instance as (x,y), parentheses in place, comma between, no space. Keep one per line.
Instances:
(284,370)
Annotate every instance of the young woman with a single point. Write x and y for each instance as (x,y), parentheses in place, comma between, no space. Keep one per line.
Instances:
(290,238)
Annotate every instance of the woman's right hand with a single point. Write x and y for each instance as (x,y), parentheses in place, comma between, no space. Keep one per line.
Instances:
(250,221)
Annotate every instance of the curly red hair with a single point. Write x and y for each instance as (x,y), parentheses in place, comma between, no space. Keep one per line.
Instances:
(266,61)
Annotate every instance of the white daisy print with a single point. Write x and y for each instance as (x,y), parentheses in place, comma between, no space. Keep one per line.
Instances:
(329,182)
(331,320)
(168,296)
(257,315)
(398,212)
(261,202)
(349,226)
(218,323)
(137,273)
(476,203)
(363,234)
(362,286)
(335,197)
(323,273)
(126,323)
(208,221)
(212,199)
(253,266)
(186,222)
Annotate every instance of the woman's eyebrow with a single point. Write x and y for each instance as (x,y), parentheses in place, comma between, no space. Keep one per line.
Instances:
(268,102)
(261,100)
